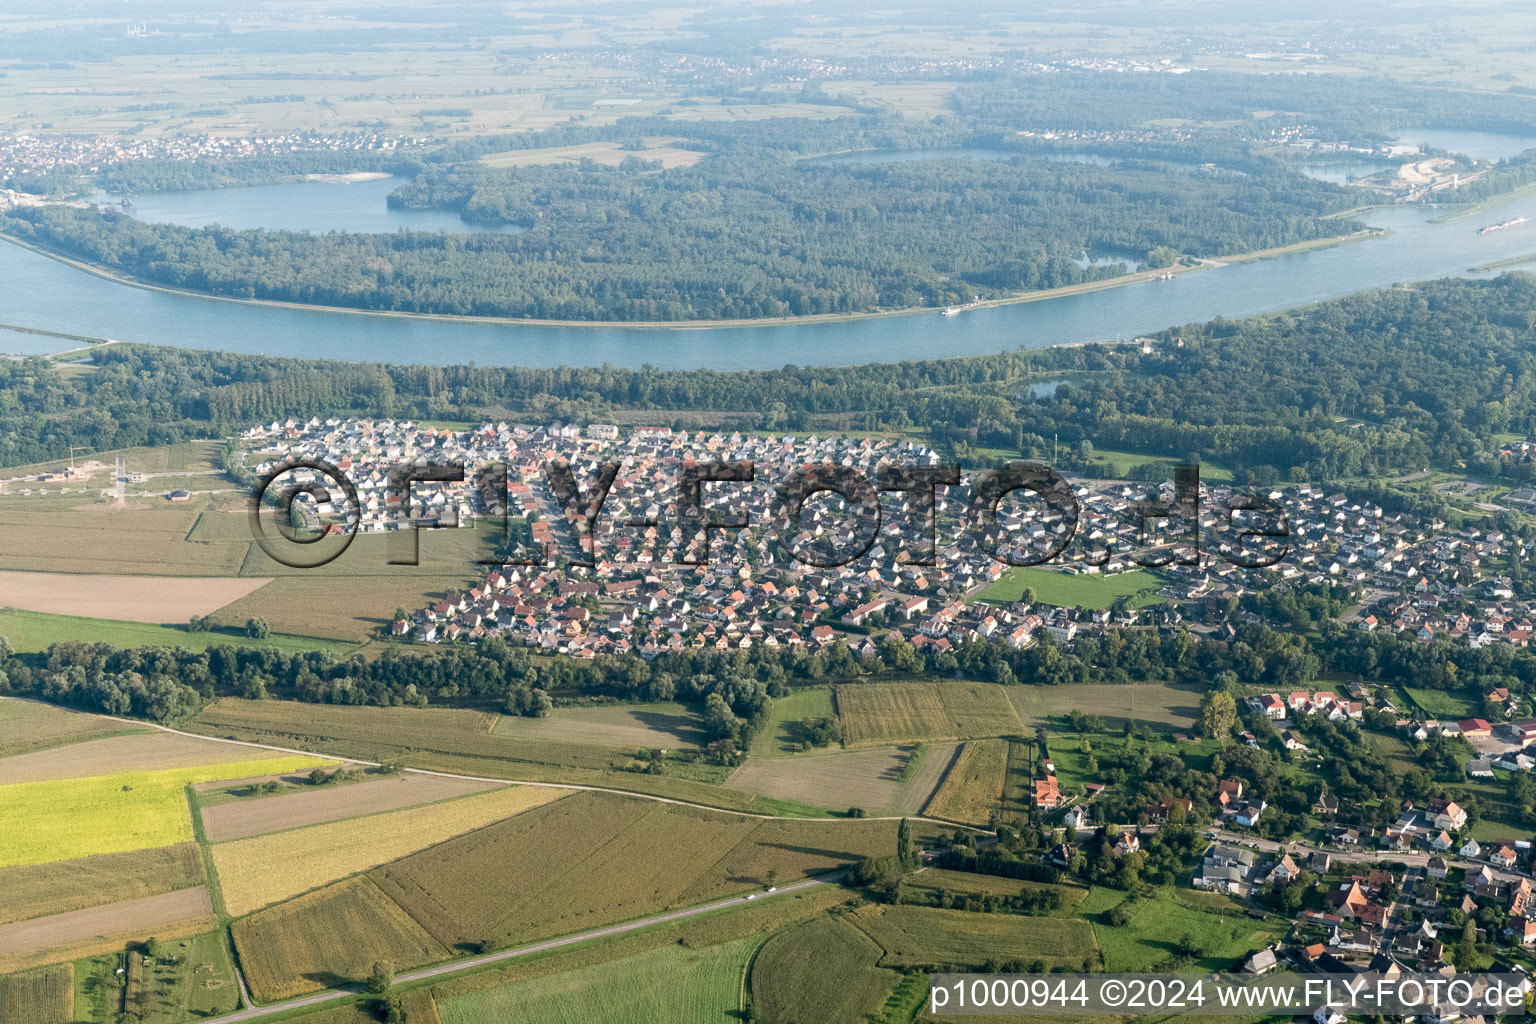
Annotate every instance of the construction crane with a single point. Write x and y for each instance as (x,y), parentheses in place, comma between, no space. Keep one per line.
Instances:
(72,449)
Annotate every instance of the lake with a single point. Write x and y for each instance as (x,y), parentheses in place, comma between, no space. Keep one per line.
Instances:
(317,206)
(43,293)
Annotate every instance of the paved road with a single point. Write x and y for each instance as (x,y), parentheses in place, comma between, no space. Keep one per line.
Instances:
(287,1006)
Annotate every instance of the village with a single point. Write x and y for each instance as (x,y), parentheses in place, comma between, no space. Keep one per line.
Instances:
(634,597)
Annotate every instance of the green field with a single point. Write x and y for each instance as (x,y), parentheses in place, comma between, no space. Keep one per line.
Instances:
(822,972)
(1119,464)
(36,631)
(920,936)
(673,984)
(897,712)
(1442,704)
(1153,934)
(61,819)
(1075,590)
(26,726)
(780,733)
(1154,703)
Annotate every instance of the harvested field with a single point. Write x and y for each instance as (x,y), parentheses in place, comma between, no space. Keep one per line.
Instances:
(1173,706)
(127,598)
(546,844)
(27,725)
(869,778)
(594,858)
(918,936)
(328,938)
(822,972)
(791,850)
(39,889)
(265,869)
(144,751)
(42,996)
(63,819)
(972,790)
(254,816)
(626,726)
(894,712)
(384,734)
(128,917)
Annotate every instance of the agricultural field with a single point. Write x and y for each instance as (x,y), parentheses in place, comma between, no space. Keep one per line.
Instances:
(39,889)
(590,859)
(896,712)
(869,778)
(785,849)
(244,817)
(972,790)
(1120,463)
(27,725)
(31,632)
(267,869)
(63,819)
(610,153)
(822,972)
(1152,935)
(1154,703)
(327,938)
(181,912)
(918,936)
(383,734)
(42,996)
(1442,704)
(673,984)
(162,599)
(935,879)
(1074,590)
(84,533)
(780,734)
(626,726)
(136,752)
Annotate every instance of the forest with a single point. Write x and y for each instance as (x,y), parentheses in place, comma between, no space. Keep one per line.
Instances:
(1386,381)
(736,236)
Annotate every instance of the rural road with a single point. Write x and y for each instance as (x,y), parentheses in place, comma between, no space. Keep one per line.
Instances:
(287,1006)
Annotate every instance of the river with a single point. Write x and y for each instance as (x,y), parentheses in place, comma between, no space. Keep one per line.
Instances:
(43,293)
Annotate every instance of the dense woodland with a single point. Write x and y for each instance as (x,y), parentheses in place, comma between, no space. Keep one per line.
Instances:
(733,237)
(1386,381)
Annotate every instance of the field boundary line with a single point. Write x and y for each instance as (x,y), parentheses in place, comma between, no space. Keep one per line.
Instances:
(954,759)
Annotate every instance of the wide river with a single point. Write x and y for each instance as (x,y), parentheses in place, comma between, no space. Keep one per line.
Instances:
(43,293)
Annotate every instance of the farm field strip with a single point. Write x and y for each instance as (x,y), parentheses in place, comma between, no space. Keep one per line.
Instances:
(27,725)
(867,778)
(113,755)
(254,816)
(37,890)
(136,917)
(103,596)
(267,869)
(894,712)
(624,726)
(328,938)
(914,936)
(63,819)
(822,972)
(1155,703)
(675,984)
(42,996)
(972,789)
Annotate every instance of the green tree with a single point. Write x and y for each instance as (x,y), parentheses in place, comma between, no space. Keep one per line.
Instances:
(1218,715)
(257,629)
(382,979)
(906,849)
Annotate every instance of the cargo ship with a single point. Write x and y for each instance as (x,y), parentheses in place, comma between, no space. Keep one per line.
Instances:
(1502,225)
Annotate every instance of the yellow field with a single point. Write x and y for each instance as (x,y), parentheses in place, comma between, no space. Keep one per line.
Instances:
(65,818)
(973,788)
(265,869)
